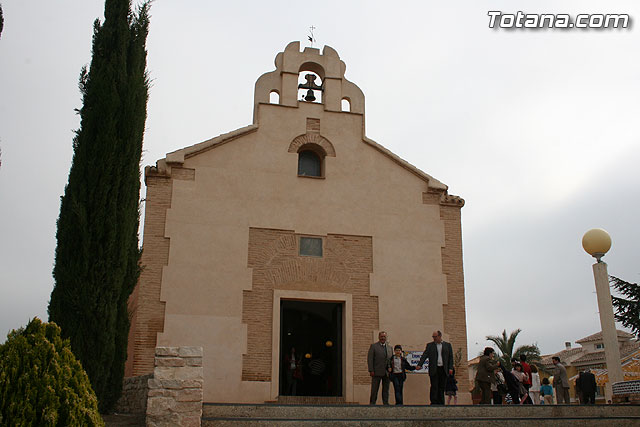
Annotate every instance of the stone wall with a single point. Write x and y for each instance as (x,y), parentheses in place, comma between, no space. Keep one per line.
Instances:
(134,395)
(175,391)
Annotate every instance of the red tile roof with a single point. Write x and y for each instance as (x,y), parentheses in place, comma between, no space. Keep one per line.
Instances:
(598,336)
(563,355)
(599,356)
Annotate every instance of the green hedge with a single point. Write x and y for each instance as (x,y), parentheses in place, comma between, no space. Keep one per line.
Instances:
(41,381)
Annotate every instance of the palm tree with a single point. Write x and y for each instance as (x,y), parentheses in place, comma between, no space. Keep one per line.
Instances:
(506,348)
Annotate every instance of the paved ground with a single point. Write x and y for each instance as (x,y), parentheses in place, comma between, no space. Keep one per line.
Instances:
(123,420)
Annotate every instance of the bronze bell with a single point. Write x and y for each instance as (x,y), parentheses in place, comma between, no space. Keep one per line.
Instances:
(310,96)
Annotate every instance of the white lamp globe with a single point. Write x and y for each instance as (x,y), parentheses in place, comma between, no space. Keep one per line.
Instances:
(596,242)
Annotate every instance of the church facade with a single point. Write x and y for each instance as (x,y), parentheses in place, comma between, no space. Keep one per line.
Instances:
(297,231)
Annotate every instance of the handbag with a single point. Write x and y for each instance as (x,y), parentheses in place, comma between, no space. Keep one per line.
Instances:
(502,388)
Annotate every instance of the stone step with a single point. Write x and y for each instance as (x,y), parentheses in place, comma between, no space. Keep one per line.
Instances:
(265,412)
(268,415)
(516,422)
(309,400)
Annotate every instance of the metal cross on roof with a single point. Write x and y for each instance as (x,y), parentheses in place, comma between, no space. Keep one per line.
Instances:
(311,37)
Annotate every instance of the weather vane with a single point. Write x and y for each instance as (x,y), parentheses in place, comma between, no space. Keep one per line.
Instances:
(311,37)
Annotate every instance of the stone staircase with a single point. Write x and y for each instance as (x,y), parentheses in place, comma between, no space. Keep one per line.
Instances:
(215,414)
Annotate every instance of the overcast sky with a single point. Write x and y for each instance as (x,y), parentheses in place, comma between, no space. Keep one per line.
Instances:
(536,129)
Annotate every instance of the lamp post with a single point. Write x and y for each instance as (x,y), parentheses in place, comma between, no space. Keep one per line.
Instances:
(597,242)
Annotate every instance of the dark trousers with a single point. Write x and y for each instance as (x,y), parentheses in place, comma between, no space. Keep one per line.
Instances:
(438,378)
(291,383)
(485,389)
(589,397)
(398,383)
(375,386)
(528,400)
(497,398)
(562,395)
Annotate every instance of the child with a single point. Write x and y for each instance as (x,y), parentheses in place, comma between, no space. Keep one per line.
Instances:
(546,391)
(450,388)
(534,390)
(397,372)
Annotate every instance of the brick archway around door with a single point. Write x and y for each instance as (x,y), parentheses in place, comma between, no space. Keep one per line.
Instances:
(343,271)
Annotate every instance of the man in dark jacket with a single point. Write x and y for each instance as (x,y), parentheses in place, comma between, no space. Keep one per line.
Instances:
(512,385)
(588,387)
(485,374)
(440,356)
(579,393)
(378,361)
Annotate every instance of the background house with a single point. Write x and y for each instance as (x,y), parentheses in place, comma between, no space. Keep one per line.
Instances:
(589,355)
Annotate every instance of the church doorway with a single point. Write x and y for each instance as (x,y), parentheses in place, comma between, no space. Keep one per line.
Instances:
(314,330)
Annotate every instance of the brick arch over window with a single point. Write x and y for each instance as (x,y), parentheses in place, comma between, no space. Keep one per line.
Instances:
(312,138)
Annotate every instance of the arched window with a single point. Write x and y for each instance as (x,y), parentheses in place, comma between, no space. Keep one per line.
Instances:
(274,97)
(309,163)
(346,104)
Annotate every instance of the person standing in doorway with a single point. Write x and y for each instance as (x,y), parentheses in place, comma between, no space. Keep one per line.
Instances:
(378,361)
(561,382)
(293,371)
(317,370)
(440,356)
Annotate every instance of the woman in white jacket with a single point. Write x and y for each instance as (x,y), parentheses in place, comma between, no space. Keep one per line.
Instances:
(534,391)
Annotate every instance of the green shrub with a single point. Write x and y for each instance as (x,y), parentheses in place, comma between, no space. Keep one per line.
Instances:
(41,381)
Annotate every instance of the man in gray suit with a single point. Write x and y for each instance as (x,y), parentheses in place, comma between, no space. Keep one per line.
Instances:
(378,359)
(440,355)
(561,382)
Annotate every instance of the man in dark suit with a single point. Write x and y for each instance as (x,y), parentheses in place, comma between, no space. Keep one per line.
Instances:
(579,394)
(378,360)
(440,355)
(588,387)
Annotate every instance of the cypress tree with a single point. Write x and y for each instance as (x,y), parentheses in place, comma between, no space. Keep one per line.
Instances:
(97,255)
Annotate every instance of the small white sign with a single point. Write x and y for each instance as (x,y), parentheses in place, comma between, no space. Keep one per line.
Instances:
(413,357)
